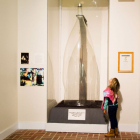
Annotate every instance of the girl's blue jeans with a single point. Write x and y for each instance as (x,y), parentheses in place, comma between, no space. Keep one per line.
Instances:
(112,112)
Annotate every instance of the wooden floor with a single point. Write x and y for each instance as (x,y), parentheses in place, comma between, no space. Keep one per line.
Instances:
(43,135)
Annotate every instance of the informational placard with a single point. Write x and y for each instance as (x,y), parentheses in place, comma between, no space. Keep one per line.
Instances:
(39,58)
(76,114)
(125,62)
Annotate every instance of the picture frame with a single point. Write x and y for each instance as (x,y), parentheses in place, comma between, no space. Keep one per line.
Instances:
(24,58)
(31,76)
(125,62)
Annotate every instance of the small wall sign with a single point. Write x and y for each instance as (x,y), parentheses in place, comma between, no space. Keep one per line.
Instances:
(39,58)
(125,62)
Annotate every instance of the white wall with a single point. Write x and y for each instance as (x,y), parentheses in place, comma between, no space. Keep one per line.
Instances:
(8,64)
(32,38)
(124,36)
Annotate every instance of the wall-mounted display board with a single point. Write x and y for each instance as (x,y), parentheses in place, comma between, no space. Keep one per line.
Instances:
(31,76)
(125,62)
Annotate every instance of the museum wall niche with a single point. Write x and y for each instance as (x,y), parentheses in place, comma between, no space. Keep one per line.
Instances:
(82,53)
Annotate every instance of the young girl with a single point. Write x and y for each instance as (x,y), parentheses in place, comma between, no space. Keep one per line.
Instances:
(110,98)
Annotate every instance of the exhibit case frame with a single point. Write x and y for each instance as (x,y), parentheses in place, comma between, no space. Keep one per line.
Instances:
(61,15)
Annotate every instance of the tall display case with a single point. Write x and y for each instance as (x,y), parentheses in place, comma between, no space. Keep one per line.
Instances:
(63,47)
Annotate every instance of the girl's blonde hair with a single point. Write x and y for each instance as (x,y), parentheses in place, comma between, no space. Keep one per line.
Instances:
(115,85)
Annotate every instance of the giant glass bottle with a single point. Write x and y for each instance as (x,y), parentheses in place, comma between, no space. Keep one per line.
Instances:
(80,70)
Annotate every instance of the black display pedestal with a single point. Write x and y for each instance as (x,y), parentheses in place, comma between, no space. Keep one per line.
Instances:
(93,114)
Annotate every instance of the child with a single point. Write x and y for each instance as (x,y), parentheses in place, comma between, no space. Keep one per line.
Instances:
(110,99)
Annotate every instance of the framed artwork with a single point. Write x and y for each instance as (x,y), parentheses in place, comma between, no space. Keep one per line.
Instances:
(24,58)
(31,76)
(125,62)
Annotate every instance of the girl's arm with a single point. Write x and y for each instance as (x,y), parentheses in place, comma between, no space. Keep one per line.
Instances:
(105,104)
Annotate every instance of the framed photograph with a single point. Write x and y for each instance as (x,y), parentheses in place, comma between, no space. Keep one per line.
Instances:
(125,62)
(31,76)
(24,58)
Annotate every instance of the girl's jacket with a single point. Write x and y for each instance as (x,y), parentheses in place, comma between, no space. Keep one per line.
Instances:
(108,93)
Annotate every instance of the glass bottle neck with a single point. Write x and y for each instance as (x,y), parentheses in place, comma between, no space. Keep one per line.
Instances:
(80,11)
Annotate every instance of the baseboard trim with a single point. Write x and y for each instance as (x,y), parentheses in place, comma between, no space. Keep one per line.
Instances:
(8,131)
(61,127)
(82,128)
(23,125)
(139,126)
(128,128)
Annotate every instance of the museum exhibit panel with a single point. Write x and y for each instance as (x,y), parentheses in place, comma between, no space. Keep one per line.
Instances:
(78,100)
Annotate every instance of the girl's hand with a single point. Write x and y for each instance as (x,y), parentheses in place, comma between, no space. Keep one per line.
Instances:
(104,111)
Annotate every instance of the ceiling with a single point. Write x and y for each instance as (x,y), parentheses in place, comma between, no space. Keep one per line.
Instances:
(85,3)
